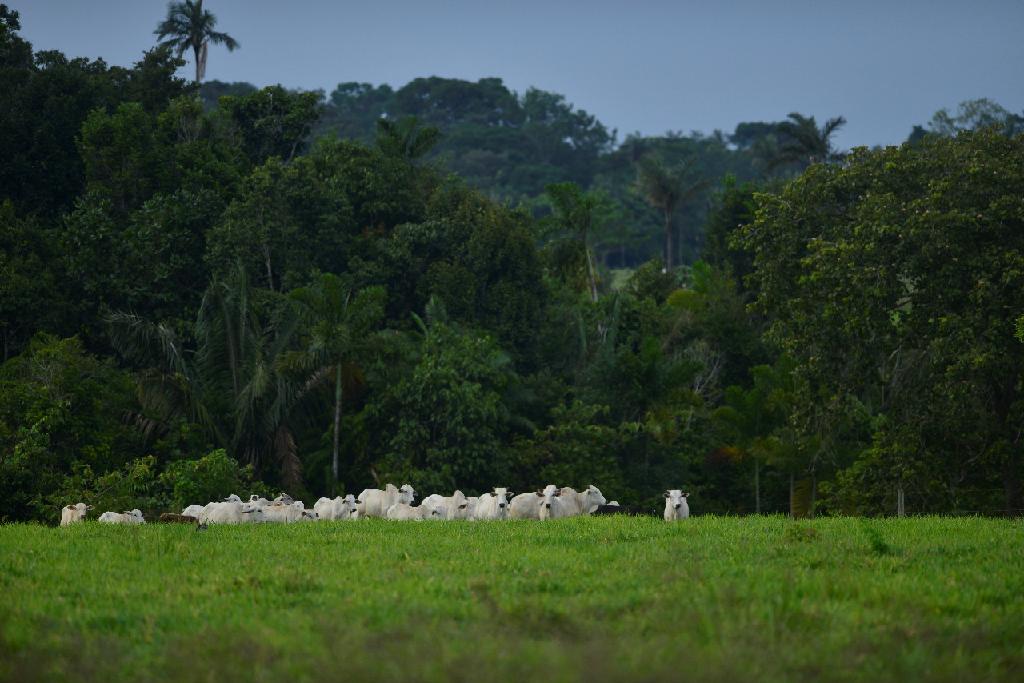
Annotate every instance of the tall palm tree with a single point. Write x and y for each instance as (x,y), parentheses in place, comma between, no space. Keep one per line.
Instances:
(188,26)
(227,379)
(803,143)
(336,330)
(666,189)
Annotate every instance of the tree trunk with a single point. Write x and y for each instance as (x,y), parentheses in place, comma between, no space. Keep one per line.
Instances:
(590,274)
(1012,486)
(901,510)
(668,241)
(757,486)
(801,496)
(270,270)
(337,422)
(792,500)
(814,492)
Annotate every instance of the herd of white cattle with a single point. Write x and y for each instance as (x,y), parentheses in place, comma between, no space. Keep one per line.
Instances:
(395,503)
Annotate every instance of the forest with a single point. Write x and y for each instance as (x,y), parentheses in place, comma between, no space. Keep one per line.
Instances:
(210,287)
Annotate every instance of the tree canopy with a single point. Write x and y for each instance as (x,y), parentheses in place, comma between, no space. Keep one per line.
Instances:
(456,285)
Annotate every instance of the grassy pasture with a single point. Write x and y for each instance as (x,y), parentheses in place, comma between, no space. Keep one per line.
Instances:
(595,599)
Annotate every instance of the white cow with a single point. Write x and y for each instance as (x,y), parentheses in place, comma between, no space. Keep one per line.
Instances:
(676,506)
(232,499)
(455,506)
(336,508)
(286,513)
(72,514)
(230,512)
(582,502)
(553,507)
(492,505)
(406,512)
(527,505)
(571,503)
(375,503)
(130,517)
(193,510)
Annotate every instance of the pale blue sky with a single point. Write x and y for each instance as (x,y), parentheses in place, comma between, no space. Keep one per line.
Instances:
(647,66)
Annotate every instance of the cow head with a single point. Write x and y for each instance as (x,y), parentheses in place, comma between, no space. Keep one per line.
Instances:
(406,494)
(547,496)
(675,499)
(501,496)
(593,498)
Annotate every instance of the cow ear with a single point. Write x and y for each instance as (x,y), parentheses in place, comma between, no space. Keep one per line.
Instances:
(667,494)
(539,494)
(558,492)
(686,495)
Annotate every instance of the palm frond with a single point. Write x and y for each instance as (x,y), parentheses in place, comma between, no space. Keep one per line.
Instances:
(141,340)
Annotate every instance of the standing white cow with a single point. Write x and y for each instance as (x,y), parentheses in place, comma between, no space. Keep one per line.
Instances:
(492,505)
(375,503)
(130,517)
(336,508)
(528,505)
(72,514)
(455,506)
(676,506)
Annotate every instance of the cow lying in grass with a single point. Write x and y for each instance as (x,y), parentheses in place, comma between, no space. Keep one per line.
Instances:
(405,512)
(455,506)
(337,508)
(569,502)
(492,505)
(230,512)
(375,503)
(528,505)
(130,517)
(286,513)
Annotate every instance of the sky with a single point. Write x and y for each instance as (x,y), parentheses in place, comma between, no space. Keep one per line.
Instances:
(647,66)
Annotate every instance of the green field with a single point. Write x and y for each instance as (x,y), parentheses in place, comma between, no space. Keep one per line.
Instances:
(589,599)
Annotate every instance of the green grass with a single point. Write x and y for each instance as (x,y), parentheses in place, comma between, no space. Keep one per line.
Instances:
(594,599)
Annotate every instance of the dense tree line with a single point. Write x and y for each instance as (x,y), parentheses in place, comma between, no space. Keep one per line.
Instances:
(277,291)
